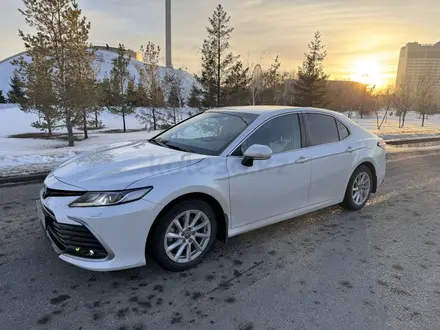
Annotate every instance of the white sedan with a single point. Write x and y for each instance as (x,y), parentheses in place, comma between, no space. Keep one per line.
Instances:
(215,175)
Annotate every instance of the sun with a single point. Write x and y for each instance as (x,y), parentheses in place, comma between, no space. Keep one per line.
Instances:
(367,71)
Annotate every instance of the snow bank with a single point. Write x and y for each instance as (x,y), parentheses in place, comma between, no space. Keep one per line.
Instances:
(104,63)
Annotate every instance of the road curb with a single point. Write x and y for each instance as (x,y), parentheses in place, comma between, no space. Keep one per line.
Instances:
(413,140)
(23,178)
(42,175)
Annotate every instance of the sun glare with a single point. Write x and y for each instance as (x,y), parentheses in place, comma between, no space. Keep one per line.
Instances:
(367,72)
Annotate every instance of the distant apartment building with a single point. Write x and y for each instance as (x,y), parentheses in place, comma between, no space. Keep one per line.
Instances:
(418,60)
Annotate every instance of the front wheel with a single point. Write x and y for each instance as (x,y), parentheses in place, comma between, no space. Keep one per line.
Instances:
(358,189)
(184,235)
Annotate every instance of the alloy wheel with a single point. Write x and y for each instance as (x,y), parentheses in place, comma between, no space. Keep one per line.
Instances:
(187,236)
(361,188)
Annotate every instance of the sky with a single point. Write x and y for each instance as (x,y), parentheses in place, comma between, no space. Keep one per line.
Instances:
(362,37)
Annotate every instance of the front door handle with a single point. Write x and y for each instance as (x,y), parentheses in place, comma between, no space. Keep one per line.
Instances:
(302,160)
(350,150)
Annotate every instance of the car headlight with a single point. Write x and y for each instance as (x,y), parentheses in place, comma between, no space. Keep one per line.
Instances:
(107,198)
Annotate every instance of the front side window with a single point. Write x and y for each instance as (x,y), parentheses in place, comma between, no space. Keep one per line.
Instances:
(209,133)
(322,129)
(280,134)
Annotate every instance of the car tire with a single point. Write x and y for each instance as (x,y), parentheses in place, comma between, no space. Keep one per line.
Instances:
(358,182)
(189,236)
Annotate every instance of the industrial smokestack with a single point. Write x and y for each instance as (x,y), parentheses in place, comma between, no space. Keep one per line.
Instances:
(169,63)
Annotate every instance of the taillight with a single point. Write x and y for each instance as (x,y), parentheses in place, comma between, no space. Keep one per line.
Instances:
(382,144)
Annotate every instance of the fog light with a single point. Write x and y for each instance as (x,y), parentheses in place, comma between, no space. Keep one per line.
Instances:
(90,253)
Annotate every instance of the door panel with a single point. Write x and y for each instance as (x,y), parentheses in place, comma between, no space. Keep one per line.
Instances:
(269,187)
(330,170)
(333,153)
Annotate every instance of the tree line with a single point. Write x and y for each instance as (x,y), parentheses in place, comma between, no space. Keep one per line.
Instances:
(60,82)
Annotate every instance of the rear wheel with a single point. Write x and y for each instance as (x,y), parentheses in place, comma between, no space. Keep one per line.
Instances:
(358,189)
(184,235)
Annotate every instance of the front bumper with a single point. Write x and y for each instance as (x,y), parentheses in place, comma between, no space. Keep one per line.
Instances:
(121,230)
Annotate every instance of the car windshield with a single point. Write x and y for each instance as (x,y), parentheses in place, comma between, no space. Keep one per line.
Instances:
(208,133)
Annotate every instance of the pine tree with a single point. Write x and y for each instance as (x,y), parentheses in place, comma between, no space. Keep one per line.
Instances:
(130,97)
(216,61)
(237,85)
(40,92)
(2,98)
(16,93)
(142,100)
(81,74)
(59,29)
(150,80)
(173,89)
(102,90)
(116,100)
(194,99)
(86,98)
(273,84)
(311,85)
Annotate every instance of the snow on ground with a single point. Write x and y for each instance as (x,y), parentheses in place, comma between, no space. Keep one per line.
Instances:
(22,156)
(37,155)
(412,128)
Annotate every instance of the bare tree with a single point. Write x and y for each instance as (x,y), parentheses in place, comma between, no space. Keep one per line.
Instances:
(425,95)
(366,100)
(384,102)
(256,83)
(404,99)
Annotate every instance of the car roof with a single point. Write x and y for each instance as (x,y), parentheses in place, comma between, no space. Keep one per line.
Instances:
(270,110)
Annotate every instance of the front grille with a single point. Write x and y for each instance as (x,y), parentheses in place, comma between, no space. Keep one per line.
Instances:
(75,240)
(47,192)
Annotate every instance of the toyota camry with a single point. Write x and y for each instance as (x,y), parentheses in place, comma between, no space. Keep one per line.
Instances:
(218,174)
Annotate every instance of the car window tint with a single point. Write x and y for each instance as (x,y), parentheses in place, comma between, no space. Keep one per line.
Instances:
(280,134)
(322,129)
(343,131)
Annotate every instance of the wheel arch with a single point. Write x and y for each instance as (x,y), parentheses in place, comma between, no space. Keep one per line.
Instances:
(221,215)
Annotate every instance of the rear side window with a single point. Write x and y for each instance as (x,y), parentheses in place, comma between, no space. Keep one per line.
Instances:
(322,129)
(343,130)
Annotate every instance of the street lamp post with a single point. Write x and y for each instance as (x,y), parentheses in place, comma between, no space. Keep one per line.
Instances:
(169,63)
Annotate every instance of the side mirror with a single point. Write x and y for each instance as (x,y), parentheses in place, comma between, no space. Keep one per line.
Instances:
(256,152)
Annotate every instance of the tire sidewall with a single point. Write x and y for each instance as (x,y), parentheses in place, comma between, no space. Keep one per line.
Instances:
(159,252)
(349,202)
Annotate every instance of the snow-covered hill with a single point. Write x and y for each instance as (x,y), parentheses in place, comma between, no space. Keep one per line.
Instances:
(104,63)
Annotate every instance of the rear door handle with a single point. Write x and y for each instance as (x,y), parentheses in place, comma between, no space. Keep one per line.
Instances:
(302,160)
(350,150)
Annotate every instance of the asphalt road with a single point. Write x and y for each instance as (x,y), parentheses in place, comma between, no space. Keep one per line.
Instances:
(378,268)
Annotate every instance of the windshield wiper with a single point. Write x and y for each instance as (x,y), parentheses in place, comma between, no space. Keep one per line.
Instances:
(173,146)
(168,145)
(158,143)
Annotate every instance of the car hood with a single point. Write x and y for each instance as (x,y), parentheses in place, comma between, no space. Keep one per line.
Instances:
(118,166)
